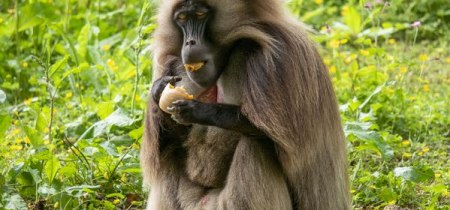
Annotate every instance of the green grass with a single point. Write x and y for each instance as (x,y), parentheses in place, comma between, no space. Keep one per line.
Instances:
(71,122)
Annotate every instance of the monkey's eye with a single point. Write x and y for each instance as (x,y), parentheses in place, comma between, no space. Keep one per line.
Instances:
(200,14)
(182,16)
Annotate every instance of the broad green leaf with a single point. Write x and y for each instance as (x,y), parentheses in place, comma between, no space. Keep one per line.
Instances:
(36,137)
(83,39)
(118,195)
(58,65)
(105,109)
(415,174)
(387,194)
(137,133)
(110,148)
(46,191)
(377,90)
(16,202)
(41,122)
(51,168)
(371,137)
(69,170)
(118,118)
(353,20)
(5,123)
(72,189)
(2,97)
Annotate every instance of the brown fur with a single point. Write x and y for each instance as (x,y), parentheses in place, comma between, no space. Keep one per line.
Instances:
(283,87)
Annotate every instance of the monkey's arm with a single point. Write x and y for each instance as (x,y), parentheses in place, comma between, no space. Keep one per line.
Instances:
(224,116)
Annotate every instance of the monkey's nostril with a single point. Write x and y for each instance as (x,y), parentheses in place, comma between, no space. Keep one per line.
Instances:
(191,42)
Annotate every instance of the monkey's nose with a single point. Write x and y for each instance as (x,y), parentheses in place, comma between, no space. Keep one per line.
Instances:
(191,42)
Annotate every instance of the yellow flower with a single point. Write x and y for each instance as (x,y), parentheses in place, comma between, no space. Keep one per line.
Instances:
(447,60)
(131,75)
(333,69)
(69,95)
(446,193)
(423,57)
(344,11)
(390,58)
(436,94)
(137,98)
(403,69)
(412,98)
(110,63)
(16,122)
(46,142)
(327,61)
(106,175)
(46,130)
(70,106)
(16,147)
(391,41)
(18,141)
(55,111)
(425,149)
(27,140)
(318,1)
(354,56)
(117,201)
(391,202)
(437,175)
(334,43)
(106,47)
(426,88)
(28,101)
(348,60)
(77,85)
(334,79)
(364,52)
(420,153)
(124,178)
(406,155)
(115,68)
(406,143)
(16,131)
(343,41)
(389,90)
(25,64)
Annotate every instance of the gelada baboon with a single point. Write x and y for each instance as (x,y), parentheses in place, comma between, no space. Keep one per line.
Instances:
(263,131)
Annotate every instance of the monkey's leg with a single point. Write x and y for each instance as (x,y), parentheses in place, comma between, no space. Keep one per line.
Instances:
(255,181)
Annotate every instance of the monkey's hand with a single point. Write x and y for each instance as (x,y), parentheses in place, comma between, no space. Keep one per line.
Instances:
(160,84)
(213,114)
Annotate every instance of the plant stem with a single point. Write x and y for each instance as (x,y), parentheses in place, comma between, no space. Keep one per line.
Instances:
(415,36)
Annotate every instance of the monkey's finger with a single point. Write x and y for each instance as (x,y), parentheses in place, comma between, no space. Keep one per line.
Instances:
(172,80)
(173,109)
(180,103)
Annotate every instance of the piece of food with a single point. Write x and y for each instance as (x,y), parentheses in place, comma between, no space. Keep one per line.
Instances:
(194,66)
(171,94)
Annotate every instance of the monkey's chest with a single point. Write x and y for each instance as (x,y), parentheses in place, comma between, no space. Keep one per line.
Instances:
(210,151)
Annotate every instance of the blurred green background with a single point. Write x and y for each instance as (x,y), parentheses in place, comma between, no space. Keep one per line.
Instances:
(74,77)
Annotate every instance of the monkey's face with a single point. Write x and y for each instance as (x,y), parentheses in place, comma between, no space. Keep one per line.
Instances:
(199,56)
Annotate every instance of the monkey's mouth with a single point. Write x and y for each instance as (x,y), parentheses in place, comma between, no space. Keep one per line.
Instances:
(192,67)
(209,95)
